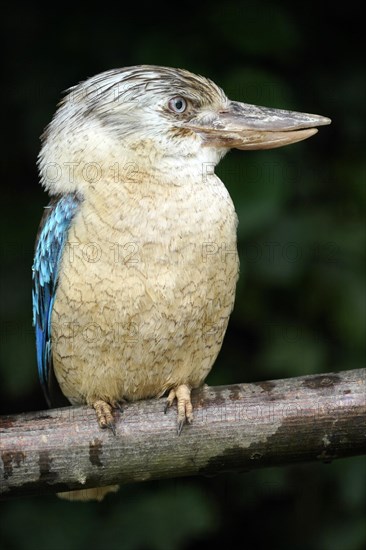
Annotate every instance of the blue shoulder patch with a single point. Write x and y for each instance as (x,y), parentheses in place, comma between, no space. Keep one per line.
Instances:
(51,239)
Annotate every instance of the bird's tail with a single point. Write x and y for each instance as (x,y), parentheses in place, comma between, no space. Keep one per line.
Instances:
(97,493)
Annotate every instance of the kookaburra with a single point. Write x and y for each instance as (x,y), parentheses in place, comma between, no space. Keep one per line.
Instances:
(129,301)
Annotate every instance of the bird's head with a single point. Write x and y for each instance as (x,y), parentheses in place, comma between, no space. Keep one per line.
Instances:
(155,121)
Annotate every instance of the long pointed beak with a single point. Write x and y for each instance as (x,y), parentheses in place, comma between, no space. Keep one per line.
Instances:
(244,126)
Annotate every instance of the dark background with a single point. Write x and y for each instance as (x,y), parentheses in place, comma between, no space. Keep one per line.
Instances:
(300,305)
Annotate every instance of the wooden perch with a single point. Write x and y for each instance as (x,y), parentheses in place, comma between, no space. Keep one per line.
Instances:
(236,428)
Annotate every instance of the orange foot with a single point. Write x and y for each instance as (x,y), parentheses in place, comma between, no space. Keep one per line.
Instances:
(183,396)
(104,412)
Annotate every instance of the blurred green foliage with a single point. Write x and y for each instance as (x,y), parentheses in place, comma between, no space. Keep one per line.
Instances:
(300,305)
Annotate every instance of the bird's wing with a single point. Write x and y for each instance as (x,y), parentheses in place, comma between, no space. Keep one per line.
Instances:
(50,243)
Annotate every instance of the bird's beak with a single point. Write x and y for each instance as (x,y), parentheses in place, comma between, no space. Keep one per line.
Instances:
(243,126)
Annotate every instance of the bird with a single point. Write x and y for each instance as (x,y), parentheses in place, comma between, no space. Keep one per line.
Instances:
(136,261)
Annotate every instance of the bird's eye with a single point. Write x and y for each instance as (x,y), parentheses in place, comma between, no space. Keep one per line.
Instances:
(178,104)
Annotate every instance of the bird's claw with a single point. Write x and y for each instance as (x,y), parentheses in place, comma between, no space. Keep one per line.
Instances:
(104,415)
(180,426)
(111,426)
(185,412)
(118,404)
(169,400)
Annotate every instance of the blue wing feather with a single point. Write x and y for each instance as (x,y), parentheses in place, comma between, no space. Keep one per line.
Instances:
(50,243)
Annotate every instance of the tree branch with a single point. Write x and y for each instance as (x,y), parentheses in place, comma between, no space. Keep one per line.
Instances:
(236,428)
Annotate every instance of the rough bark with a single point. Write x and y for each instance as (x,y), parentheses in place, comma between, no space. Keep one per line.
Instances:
(236,428)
